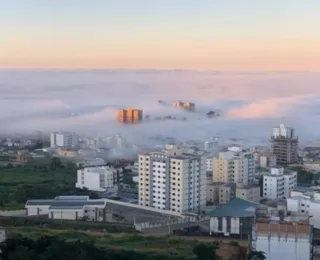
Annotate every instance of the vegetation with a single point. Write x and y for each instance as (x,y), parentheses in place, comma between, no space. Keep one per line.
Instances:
(124,248)
(256,255)
(42,178)
(41,222)
(234,243)
(303,177)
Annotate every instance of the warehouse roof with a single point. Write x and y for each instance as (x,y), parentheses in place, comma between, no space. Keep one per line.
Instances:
(68,202)
(235,208)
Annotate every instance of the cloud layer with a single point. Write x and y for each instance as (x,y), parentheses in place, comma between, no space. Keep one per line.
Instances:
(86,102)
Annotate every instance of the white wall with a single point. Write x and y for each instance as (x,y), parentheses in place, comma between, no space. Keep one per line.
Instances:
(282,248)
(37,210)
(235,226)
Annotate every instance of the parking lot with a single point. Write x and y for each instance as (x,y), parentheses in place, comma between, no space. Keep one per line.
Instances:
(136,215)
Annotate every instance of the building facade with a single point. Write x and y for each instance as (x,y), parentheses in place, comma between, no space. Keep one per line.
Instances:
(289,239)
(129,116)
(98,178)
(63,140)
(248,192)
(174,179)
(284,145)
(68,208)
(234,165)
(235,218)
(278,183)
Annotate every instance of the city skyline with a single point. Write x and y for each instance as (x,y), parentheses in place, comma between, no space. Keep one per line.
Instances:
(220,35)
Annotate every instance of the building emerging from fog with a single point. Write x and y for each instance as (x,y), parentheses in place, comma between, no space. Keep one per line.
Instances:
(174,179)
(129,116)
(188,106)
(63,140)
(284,145)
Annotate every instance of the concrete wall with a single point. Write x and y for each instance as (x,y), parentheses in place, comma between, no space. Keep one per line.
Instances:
(283,248)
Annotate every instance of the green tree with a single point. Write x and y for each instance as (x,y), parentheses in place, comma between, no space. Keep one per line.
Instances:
(206,252)
(256,255)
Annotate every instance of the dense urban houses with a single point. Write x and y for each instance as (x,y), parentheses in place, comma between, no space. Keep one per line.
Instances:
(173,179)
(284,145)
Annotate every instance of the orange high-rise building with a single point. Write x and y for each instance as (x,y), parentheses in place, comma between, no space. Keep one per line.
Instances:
(129,116)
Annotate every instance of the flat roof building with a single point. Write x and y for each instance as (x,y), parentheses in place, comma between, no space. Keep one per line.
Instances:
(68,207)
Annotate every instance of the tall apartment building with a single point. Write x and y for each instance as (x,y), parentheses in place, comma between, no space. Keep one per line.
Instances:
(63,140)
(284,145)
(235,165)
(129,116)
(188,106)
(278,183)
(174,179)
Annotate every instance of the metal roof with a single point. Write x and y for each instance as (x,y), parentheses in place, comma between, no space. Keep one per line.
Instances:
(235,208)
(72,198)
(67,202)
(39,202)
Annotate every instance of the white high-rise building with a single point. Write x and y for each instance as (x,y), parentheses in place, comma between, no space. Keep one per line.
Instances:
(283,131)
(235,165)
(63,139)
(279,183)
(174,179)
(98,178)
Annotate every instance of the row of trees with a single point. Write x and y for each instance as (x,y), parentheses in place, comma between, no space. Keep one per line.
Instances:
(52,248)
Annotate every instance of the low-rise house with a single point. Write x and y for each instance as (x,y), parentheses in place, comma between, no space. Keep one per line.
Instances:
(68,208)
(235,218)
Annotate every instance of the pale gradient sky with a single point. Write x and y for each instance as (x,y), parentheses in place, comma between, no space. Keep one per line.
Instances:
(206,34)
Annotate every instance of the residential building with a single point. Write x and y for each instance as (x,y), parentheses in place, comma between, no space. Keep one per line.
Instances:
(248,192)
(68,152)
(209,163)
(129,116)
(265,159)
(235,218)
(284,145)
(227,192)
(63,140)
(234,165)
(69,208)
(305,202)
(278,183)
(91,162)
(98,178)
(284,238)
(188,106)
(173,179)
(212,194)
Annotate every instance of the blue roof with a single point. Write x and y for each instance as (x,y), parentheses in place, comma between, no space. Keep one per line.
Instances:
(236,208)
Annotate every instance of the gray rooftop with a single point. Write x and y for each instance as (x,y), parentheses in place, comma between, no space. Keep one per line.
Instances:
(235,208)
(67,202)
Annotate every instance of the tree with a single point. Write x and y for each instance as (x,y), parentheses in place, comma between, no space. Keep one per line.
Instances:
(206,251)
(256,255)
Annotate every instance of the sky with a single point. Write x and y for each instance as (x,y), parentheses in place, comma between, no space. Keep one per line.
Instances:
(181,34)
(86,102)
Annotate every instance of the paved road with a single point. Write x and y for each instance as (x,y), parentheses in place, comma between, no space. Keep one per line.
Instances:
(13,213)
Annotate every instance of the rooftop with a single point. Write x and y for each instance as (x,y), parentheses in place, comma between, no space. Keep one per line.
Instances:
(236,208)
(68,202)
